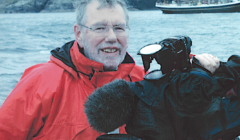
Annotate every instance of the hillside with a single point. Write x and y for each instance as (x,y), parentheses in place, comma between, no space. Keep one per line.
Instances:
(30,6)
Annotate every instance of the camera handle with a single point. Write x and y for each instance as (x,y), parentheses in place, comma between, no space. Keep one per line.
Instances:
(117,137)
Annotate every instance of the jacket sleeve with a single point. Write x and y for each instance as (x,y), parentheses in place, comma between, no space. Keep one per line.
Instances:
(229,73)
(22,113)
(192,93)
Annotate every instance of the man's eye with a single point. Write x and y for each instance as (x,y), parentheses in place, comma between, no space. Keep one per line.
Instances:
(100,28)
(119,28)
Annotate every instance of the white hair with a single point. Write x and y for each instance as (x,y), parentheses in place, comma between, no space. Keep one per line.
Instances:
(81,6)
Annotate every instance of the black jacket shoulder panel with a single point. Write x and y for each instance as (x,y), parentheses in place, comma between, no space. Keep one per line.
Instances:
(128,59)
(63,54)
(151,89)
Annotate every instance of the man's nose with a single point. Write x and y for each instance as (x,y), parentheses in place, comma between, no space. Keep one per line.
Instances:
(110,36)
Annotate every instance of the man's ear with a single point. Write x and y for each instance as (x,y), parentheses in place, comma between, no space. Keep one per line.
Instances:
(78,35)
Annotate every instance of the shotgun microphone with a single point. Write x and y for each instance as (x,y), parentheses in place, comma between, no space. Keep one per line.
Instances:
(111,106)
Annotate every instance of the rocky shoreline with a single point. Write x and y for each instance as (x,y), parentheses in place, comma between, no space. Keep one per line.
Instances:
(45,6)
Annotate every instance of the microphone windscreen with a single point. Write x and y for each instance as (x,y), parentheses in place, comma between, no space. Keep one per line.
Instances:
(110,106)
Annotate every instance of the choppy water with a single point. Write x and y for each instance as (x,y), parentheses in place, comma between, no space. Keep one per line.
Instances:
(26,39)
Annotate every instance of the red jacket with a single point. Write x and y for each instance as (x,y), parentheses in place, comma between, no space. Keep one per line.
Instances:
(48,101)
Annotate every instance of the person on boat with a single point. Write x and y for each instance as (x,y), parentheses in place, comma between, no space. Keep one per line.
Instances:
(48,101)
(176,106)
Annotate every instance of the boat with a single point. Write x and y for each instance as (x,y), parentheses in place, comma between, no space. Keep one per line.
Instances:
(177,8)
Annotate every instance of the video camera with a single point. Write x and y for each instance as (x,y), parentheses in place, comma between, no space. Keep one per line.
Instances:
(161,107)
(171,53)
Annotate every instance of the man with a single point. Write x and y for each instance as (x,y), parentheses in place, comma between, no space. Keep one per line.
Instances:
(47,102)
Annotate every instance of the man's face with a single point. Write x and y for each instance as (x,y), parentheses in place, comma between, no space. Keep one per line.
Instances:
(108,49)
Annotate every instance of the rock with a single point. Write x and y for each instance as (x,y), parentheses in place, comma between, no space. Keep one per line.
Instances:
(58,6)
(22,6)
(40,5)
(27,6)
(142,4)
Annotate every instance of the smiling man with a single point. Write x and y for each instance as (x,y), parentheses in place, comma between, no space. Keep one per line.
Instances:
(48,101)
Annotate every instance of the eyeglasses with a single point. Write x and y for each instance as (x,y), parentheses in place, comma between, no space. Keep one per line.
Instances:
(103,30)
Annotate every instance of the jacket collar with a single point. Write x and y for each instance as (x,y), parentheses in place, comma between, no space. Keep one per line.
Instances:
(88,66)
(82,63)
(73,60)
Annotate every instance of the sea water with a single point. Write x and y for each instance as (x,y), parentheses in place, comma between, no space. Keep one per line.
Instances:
(27,39)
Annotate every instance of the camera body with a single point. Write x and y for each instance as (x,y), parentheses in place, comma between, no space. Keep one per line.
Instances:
(171,53)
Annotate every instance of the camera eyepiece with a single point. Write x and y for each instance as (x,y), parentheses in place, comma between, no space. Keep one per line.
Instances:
(171,53)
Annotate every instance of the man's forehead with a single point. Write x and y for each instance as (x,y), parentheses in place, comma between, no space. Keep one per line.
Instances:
(105,15)
(106,23)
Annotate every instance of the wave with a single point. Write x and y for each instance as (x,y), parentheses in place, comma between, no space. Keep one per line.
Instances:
(10,74)
(44,52)
(14,50)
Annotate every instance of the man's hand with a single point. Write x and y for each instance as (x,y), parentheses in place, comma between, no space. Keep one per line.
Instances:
(208,61)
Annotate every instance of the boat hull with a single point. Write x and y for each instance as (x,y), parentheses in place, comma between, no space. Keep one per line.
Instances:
(221,8)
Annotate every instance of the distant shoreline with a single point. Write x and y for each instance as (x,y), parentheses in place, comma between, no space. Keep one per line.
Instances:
(62,11)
